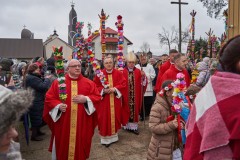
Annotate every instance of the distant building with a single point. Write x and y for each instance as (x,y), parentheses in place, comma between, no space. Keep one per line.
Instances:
(72,26)
(111,44)
(149,54)
(54,40)
(25,48)
(156,57)
(27,34)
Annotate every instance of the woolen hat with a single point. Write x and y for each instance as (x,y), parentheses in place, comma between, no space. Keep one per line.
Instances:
(6,64)
(12,106)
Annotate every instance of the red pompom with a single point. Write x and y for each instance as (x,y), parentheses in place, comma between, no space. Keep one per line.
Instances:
(119,17)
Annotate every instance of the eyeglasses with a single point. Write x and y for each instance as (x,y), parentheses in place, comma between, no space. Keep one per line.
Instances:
(75,66)
(108,63)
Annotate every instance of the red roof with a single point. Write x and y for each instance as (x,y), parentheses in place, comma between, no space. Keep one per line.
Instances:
(110,31)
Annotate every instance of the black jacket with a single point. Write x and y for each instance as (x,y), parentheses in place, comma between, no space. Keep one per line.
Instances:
(40,88)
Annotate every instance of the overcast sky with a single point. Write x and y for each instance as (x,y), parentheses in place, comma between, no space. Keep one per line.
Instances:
(143,19)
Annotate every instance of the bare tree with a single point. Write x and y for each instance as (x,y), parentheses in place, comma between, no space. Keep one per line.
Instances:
(214,7)
(171,37)
(185,36)
(167,37)
(145,47)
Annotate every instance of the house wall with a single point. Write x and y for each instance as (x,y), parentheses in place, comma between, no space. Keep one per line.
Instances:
(98,48)
(67,51)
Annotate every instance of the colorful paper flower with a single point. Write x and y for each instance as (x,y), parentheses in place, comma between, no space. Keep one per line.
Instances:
(80,42)
(165,89)
(103,18)
(119,24)
(58,56)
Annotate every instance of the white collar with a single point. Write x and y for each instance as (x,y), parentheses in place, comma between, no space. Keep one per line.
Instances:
(130,69)
(109,71)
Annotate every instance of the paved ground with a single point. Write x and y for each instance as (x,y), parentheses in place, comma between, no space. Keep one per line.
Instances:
(129,146)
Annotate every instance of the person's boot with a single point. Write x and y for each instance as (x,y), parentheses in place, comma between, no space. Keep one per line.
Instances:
(39,132)
(107,145)
(135,132)
(35,135)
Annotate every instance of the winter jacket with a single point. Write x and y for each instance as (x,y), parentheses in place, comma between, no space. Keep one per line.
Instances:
(40,88)
(164,134)
(204,74)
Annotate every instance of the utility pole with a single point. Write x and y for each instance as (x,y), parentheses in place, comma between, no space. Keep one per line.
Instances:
(180,23)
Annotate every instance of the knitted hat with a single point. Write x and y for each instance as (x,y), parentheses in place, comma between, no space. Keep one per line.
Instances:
(202,66)
(20,67)
(6,64)
(12,106)
(206,60)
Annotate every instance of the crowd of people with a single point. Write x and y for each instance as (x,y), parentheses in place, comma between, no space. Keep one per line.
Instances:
(143,90)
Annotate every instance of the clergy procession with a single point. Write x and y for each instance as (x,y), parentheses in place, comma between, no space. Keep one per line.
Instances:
(93,98)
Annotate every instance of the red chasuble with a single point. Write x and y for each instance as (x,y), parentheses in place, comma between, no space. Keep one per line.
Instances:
(162,70)
(171,74)
(75,128)
(111,112)
(135,91)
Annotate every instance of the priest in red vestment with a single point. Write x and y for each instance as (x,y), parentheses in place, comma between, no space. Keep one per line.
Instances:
(111,112)
(164,68)
(136,86)
(72,122)
(180,62)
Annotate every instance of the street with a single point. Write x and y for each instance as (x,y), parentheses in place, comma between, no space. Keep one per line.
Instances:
(129,146)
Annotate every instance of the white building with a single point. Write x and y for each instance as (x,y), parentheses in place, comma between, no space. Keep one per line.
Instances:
(54,40)
(111,44)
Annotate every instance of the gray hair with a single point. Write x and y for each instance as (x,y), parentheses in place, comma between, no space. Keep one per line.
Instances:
(107,57)
(68,62)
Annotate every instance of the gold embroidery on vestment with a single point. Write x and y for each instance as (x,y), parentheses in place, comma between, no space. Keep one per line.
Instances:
(112,109)
(73,122)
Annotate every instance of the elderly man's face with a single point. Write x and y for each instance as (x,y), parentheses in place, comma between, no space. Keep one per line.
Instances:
(6,139)
(74,68)
(108,64)
(130,64)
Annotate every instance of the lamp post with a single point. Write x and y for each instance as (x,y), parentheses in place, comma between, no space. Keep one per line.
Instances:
(73,19)
(180,23)
(71,33)
(74,35)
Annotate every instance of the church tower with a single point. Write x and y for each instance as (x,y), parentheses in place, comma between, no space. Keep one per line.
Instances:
(72,26)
